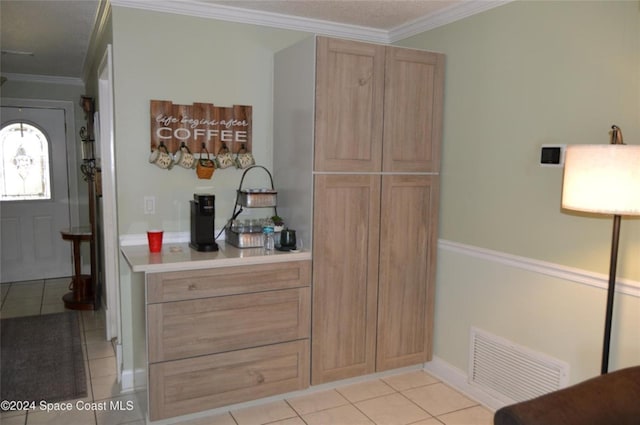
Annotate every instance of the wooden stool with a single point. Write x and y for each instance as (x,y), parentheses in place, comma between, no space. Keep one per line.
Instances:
(81,295)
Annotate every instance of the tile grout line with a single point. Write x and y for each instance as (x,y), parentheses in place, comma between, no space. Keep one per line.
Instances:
(5,295)
(42,295)
(296,412)
(353,403)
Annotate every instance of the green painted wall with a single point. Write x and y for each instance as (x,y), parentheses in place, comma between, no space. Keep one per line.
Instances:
(518,76)
(159,56)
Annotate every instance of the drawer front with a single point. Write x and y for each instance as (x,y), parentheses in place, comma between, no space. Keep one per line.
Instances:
(212,325)
(191,385)
(185,285)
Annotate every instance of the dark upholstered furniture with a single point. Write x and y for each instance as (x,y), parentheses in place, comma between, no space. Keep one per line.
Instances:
(611,399)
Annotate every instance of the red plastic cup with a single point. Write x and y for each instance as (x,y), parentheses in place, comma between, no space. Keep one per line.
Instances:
(155,240)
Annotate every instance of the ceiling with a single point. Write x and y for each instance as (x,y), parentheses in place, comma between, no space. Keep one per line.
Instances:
(56,33)
(60,31)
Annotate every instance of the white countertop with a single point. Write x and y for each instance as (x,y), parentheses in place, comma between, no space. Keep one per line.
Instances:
(179,256)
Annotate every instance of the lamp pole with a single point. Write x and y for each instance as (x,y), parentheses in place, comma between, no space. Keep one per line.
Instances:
(616,139)
(610,293)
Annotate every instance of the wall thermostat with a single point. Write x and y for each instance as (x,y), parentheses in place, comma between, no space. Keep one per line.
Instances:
(552,155)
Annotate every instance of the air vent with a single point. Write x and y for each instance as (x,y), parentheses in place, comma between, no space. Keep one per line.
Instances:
(510,372)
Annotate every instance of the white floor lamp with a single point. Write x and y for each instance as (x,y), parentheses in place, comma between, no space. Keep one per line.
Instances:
(604,179)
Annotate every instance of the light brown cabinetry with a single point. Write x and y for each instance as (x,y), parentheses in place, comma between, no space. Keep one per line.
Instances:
(371,116)
(346,224)
(406,267)
(200,383)
(226,335)
(349,105)
(413,100)
(377,108)
(374,273)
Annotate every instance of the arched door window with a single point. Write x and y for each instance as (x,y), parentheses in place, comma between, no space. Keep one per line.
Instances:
(24,156)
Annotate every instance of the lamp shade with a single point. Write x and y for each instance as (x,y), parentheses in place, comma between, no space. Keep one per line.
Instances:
(602,179)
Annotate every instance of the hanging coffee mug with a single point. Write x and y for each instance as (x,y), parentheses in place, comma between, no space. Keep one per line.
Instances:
(161,157)
(184,158)
(224,158)
(244,159)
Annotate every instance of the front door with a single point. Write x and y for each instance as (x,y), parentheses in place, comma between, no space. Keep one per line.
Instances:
(34,194)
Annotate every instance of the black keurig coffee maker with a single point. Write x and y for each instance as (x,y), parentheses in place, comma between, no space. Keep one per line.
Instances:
(203,212)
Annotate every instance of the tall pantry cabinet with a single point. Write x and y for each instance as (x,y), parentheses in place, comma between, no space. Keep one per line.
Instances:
(357,131)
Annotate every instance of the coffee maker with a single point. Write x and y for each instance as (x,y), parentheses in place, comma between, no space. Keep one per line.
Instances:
(203,212)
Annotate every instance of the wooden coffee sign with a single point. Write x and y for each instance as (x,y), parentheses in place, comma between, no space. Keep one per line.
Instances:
(200,123)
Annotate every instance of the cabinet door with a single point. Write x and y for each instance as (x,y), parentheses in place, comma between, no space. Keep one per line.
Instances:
(413,102)
(349,101)
(345,276)
(408,238)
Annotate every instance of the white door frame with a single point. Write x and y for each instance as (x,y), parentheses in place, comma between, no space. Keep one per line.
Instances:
(70,141)
(109,203)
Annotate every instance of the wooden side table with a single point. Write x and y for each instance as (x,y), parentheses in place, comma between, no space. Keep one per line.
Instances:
(81,296)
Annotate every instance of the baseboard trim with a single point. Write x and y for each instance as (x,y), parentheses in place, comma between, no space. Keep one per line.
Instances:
(584,277)
(126,381)
(130,377)
(458,379)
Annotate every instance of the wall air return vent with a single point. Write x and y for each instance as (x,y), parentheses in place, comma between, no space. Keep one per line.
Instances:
(510,372)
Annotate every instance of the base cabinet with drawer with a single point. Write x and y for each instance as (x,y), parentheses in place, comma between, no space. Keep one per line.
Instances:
(226,335)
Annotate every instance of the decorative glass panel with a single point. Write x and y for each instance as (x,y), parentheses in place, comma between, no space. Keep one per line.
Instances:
(24,160)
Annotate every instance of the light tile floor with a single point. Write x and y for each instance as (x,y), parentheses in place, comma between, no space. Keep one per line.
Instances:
(412,398)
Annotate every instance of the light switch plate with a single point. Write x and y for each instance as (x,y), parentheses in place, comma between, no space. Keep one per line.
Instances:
(149,204)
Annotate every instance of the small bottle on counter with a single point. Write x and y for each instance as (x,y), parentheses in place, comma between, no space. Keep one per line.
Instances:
(267,231)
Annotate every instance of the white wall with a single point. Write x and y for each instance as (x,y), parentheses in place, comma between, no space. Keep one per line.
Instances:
(547,308)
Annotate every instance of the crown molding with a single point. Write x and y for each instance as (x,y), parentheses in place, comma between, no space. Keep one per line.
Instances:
(103,15)
(256,17)
(276,20)
(443,17)
(46,79)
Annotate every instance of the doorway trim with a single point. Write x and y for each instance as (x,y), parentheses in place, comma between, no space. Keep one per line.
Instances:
(109,203)
(70,143)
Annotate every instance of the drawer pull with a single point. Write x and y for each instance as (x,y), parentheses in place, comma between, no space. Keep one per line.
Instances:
(259,376)
(192,287)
